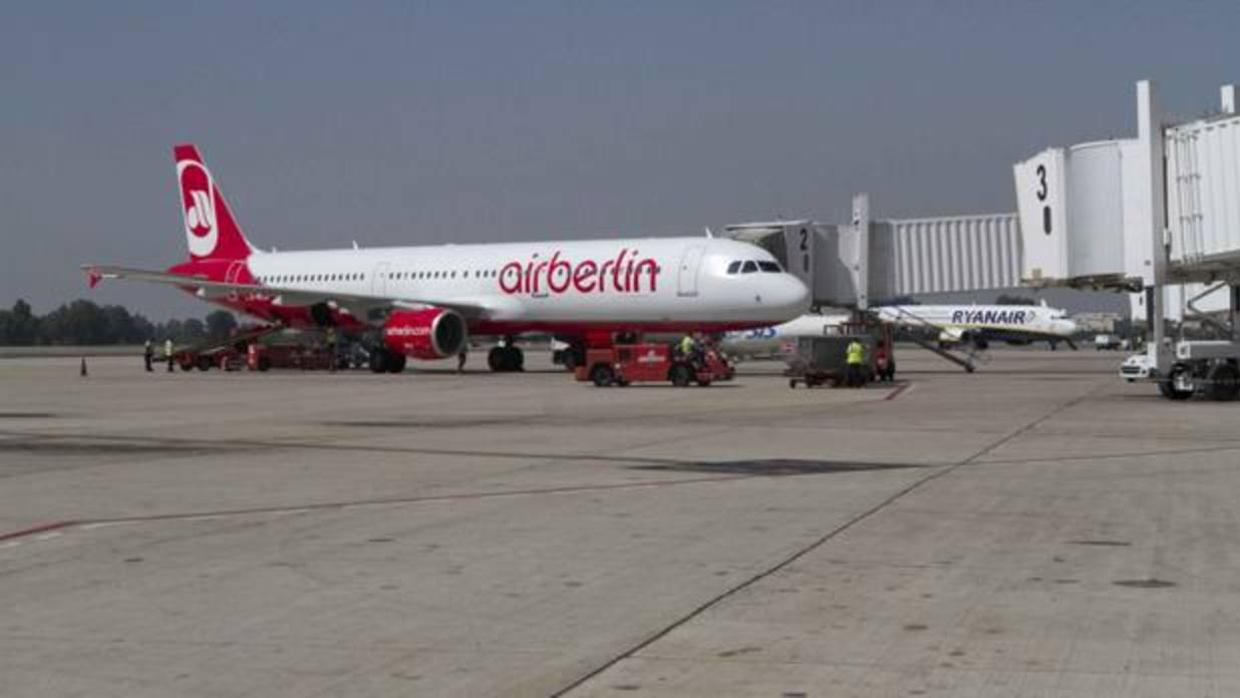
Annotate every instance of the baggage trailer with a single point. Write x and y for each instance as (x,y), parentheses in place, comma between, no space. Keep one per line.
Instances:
(822,360)
(263,357)
(622,364)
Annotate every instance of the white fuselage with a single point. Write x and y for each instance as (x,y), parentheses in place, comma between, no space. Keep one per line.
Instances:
(554,286)
(779,339)
(994,321)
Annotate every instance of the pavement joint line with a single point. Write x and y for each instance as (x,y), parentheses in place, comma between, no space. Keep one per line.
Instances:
(813,545)
(907,387)
(89,524)
(35,530)
(1111,456)
(277,445)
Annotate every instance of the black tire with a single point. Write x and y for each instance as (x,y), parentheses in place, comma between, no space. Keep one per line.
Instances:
(495,359)
(396,363)
(1168,389)
(203,363)
(680,376)
(1224,383)
(378,361)
(703,382)
(264,363)
(602,375)
(186,365)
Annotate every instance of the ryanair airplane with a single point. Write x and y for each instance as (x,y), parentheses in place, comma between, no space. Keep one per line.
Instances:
(982,324)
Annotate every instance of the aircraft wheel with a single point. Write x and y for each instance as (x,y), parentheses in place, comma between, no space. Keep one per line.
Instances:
(515,358)
(395,363)
(378,361)
(602,375)
(1224,382)
(495,359)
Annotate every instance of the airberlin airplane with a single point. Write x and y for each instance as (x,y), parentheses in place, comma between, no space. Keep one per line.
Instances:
(426,301)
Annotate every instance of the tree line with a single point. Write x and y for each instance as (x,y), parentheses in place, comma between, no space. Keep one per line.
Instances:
(84,322)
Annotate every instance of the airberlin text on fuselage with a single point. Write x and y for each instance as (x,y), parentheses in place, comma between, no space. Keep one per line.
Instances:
(557,275)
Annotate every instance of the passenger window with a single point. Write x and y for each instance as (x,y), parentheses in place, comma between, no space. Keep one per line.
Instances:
(749,268)
(734,267)
(769,267)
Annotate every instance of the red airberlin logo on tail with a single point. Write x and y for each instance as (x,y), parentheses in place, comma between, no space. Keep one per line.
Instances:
(198,201)
(627,273)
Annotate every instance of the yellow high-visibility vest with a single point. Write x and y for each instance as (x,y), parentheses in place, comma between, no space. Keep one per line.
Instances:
(856,353)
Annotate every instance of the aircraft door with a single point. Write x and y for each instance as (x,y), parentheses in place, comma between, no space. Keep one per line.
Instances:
(378,283)
(687,275)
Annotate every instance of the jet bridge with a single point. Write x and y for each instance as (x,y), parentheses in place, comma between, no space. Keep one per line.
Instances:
(1141,214)
(1134,214)
(866,262)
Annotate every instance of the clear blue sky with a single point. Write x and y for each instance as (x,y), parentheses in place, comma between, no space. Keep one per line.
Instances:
(397,123)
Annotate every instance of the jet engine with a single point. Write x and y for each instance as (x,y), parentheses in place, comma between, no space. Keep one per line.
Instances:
(433,333)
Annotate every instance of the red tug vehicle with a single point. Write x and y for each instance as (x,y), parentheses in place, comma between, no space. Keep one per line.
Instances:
(622,364)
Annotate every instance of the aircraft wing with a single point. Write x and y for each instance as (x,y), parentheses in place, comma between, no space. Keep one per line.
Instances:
(360,305)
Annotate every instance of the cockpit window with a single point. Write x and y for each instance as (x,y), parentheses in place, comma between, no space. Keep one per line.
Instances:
(750,267)
(734,267)
(769,266)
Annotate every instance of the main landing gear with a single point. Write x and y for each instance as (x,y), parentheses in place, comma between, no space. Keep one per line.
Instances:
(384,361)
(506,358)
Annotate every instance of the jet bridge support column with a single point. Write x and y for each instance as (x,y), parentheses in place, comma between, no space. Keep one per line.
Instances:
(859,261)
(1154,273)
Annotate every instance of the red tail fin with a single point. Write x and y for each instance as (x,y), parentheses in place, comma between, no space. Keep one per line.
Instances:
(210,229)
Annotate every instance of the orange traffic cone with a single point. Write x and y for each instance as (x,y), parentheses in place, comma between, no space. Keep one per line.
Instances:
(83,369)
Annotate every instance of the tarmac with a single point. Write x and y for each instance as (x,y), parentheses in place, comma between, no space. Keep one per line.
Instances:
(1037,528)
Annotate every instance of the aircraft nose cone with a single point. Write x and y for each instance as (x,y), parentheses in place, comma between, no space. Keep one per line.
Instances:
(792,295)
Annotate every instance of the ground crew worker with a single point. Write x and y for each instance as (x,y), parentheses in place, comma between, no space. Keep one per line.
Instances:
(855,357)
(687,346)
(882,362)
(332,357)
(148,353)
(168,353)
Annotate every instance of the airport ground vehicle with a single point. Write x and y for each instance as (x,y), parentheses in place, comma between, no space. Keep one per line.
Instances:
(307,357)
(1108,342)
(821,360)
(226,354)
(622,364)
(1209,367)
(252,348)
